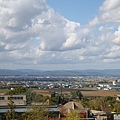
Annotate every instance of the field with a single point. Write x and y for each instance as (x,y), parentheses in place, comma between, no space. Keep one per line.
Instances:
(86,92)
(3,91)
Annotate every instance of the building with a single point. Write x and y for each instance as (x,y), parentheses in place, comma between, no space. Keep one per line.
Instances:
(53,111)
(15,85)
(102,115)
(21,106)
(17,99)
(76,106)
(118,97)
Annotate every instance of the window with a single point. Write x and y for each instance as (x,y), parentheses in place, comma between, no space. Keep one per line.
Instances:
(21,98)
(1,98)
(15,98)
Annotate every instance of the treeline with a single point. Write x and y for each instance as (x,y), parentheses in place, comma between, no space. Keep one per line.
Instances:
(107,104)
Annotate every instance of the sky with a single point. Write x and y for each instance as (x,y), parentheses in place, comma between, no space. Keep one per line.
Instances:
(59,34)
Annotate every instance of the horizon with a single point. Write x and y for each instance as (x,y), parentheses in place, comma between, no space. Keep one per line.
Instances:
(60,70)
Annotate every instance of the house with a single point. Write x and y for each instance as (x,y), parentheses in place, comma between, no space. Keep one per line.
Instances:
(118,97)
(102,115)
(77,106)
(116,116)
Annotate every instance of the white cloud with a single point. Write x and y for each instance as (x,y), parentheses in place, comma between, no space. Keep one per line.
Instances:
(33,33)
(110,5)
(109,13)
(117,37)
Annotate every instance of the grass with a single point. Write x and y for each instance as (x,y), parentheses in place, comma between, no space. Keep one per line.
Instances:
(3,91)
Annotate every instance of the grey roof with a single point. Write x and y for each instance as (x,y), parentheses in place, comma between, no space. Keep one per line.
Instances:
(20,110)
(24,109)
(52,109)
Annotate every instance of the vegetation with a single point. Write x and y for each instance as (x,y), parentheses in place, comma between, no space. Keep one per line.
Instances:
(35,113)
(3,90)
(40,98)
(106,104)
(30,94)
(18,90)
(77,93)
(58,98)
(73,115)
(11,114)
(64,98)
(116,107)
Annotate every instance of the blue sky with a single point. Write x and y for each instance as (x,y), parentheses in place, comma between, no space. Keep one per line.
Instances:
(81,11)
(60,34)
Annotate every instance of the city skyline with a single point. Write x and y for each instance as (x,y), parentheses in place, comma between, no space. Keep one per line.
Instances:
(59,35)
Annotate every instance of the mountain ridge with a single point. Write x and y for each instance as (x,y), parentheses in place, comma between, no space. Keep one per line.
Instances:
(104,72)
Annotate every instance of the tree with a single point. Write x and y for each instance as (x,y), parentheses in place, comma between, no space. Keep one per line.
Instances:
(35,113)
(73,115)
(117,107)
(40,98)
(85,102)
(77,93)
(11,114)
(30,95)
(18,90)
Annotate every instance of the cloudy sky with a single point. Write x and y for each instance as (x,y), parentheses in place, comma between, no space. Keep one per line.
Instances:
(59,34)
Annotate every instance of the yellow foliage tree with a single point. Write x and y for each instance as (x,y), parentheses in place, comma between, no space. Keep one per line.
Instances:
(73,115)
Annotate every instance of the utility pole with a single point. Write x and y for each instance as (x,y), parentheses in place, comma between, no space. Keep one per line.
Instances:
(61,89)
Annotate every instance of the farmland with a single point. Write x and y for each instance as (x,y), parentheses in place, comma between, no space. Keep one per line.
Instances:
(86,92)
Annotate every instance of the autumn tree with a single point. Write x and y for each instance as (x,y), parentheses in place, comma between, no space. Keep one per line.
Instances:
(73,115)
(116,107)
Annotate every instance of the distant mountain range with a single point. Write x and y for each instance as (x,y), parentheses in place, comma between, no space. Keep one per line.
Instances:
(105,72)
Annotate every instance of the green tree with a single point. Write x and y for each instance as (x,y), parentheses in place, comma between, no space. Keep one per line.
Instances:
(77,93)
(35,113)
(11,114)
(18,90)
(30,95)
(40,98)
